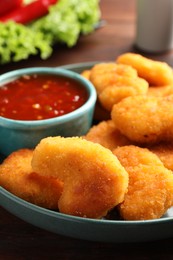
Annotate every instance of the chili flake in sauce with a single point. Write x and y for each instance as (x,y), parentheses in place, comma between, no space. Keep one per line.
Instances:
(40,96)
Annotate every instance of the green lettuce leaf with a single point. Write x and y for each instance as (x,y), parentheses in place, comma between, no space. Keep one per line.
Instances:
(67,19)
(18,42)
(64,23)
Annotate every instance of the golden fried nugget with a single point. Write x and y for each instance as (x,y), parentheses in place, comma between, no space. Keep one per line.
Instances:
(106,134)
(165,153)
(107,74)
(94,180)
(123,88)
(18,177)
(114,82)
(145,119)
(150,190)
(155,72)
(160,91)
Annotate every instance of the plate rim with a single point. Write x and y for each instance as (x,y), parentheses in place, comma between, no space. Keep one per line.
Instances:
(22,202)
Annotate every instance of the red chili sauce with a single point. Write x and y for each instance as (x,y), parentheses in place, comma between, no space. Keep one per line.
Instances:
(40,96)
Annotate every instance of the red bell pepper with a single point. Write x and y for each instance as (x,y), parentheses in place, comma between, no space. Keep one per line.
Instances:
(29,12)
(8,5)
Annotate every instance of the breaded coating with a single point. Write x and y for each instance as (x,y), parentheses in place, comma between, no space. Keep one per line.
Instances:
(113,82)
(18,177)
(145,119)
(94,180)
(165,153)
(150,190)
(160,91)
(106,74)
(106,134)
(124,87)
(157,73)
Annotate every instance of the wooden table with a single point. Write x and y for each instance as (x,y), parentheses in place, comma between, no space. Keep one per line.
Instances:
(20,240)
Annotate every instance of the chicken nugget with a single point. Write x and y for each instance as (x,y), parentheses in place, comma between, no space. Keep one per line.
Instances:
(145,119)
(18,177)
(106,134)
(165,153)
(114,82)
(157,73)
(94,180)
(107,74)
(150,190)
(123,88)
(160,91)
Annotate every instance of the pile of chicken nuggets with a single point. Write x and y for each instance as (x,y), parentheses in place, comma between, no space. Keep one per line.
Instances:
(123,163)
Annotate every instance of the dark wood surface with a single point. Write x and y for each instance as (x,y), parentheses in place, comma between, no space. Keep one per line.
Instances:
(20,240)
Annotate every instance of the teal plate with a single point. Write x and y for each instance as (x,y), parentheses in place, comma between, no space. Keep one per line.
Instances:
(103,230)
(79,67)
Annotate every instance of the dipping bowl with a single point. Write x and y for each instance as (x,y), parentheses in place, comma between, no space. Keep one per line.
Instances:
(17,134)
